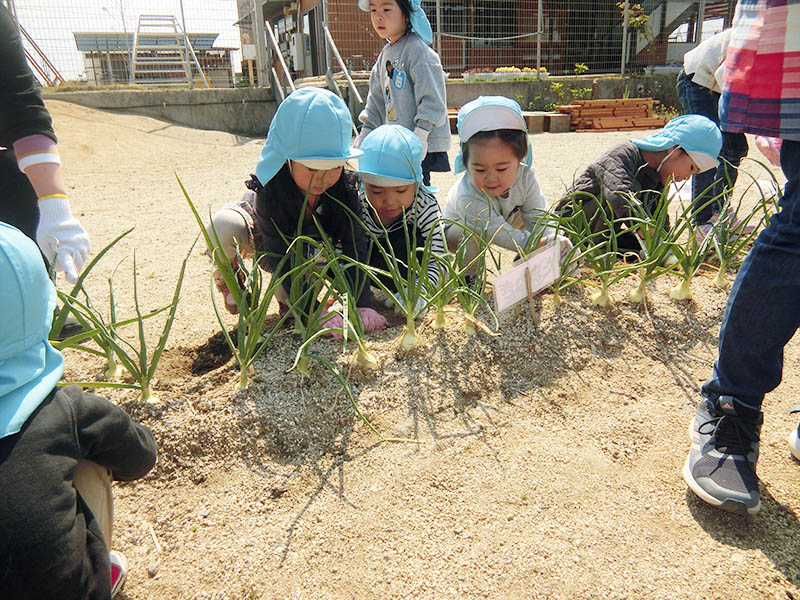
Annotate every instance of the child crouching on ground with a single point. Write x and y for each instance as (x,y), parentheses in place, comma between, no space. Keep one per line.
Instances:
(59,450)
(305,152)
(395,206)
(687,145)
(499,195)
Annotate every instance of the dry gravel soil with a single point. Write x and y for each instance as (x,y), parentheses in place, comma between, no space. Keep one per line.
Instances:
(547,461)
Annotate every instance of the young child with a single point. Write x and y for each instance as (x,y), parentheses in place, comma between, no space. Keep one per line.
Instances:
(59,450)
(499,194)
(307,146)
(406,85)
(687,145)
(394,204)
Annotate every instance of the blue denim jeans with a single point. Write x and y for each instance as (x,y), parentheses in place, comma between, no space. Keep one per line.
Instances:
(762,313)
(708,187)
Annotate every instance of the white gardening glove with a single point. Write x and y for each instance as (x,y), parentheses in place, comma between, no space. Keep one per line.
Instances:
(365,131)
(423,137)
(61,237)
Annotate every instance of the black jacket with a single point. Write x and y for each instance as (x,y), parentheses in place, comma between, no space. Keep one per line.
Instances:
(278,207)
(22,113)
(51,545)
(621,169)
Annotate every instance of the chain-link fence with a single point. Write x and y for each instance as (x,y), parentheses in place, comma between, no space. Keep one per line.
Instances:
(100,41)
(563,37)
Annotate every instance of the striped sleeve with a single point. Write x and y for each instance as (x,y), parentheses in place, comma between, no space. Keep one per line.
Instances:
(368,216)
(428,219)
(761,84)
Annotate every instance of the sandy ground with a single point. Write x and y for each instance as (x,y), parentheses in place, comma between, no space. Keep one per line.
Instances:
(549,457)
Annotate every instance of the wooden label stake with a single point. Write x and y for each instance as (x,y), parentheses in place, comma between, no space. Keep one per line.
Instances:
(531,305)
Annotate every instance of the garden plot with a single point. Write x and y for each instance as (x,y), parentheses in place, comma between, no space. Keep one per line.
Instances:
(548,457)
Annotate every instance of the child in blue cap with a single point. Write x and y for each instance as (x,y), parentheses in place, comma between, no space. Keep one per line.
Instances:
(59,450)
(687,145)
(307,146)
(406,85)
(498,195)
(395,206)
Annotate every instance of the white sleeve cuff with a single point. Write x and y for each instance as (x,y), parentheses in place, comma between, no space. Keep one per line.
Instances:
(422,134)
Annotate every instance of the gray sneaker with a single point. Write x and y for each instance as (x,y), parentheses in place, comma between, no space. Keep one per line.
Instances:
(721,466)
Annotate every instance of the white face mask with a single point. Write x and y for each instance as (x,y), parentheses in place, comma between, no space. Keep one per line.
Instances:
(670,153)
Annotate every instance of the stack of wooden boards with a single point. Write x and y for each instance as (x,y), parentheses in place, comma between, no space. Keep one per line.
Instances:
(537,121)
(612,115)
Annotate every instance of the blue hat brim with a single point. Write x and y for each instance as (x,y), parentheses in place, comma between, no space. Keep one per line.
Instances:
(696,134)
(271,161)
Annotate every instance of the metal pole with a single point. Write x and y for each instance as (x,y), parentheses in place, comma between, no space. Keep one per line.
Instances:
(260,42)
(277,50)
(539,26)
(328,60)
(127,39)
(342,66)
(185,49)
(13,11)
(439,28)
(698,27)
(624,38)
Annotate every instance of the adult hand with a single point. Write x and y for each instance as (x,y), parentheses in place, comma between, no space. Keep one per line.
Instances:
(770,147)
(61,237)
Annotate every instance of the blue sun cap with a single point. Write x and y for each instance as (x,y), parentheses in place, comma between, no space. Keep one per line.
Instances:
(419,21)
(489,113)
(29,366)
(697,135)
(392,157)
(311,126)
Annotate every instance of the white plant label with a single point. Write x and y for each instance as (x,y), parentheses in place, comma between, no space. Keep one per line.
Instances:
(510,287)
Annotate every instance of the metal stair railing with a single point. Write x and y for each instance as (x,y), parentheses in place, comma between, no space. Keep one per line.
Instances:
(46,69)
(161,52)
(280,92)
(342,65)
(329,74)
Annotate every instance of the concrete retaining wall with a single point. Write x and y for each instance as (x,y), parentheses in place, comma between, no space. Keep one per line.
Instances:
(248,111)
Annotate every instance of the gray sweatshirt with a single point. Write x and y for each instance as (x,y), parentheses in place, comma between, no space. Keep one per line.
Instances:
(409,91)
(492,214)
